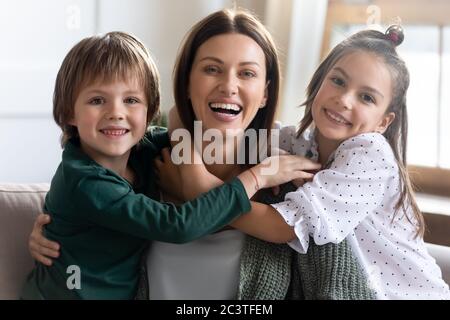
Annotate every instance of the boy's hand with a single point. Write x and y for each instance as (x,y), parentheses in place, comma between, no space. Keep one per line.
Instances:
(168,175)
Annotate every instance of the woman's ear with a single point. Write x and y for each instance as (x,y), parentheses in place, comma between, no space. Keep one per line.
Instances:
(266,94)
(385,122)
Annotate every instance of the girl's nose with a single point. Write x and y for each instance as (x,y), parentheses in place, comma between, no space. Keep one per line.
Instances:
(228,85)
(346,100)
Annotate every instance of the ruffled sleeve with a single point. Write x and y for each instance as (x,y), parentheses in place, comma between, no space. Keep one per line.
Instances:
(359,181)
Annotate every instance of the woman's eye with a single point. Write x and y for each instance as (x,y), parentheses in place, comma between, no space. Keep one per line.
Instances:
(96,101)
(211,70)
(338,81)
(131,100)
(248,74)
(367,98)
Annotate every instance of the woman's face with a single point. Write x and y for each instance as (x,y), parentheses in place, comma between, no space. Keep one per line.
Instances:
(227,84)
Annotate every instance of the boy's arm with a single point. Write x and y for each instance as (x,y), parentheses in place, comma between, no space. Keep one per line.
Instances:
(111,204)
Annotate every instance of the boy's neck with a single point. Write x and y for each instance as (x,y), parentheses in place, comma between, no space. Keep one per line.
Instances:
(117,164)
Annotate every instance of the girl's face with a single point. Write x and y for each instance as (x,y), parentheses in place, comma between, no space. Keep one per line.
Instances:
(353,98)
(227,84)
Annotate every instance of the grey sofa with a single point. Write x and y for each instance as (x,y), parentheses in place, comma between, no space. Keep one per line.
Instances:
(19,205)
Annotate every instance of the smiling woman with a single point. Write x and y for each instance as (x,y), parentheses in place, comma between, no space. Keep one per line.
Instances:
(227,88)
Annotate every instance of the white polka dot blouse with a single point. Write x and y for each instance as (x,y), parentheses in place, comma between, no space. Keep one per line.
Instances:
(354,198)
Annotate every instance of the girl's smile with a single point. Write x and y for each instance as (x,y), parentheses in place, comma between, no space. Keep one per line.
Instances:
(353,98)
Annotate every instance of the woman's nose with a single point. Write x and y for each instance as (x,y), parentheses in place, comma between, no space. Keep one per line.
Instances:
(229,85)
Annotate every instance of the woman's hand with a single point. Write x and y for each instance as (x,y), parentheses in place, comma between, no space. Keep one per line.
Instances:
(40,247)
(276,170)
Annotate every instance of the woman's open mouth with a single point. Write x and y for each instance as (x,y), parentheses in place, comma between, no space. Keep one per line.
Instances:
(226,108)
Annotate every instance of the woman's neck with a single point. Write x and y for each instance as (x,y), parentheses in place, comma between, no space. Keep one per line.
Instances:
(225,171)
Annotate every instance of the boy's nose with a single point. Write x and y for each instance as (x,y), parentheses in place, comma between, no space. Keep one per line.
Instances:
(116,111)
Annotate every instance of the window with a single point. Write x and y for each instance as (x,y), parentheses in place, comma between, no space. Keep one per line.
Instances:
(426,50)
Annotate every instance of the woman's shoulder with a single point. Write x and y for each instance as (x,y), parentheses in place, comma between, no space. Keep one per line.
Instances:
(294,142)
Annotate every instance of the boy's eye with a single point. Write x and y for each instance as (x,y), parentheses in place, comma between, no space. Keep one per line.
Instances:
(131,100)
(338,81)
(97,101)
(367,98)
(211,69)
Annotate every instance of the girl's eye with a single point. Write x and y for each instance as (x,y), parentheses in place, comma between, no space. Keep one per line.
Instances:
(211,69)
(367,98)
(338,81)
(97,101)
(248,74)
(131,100)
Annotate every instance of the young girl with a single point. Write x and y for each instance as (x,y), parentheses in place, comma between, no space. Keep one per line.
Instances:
(103,198)
(355,125)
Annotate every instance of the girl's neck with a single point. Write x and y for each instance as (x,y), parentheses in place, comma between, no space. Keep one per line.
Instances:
(325,148)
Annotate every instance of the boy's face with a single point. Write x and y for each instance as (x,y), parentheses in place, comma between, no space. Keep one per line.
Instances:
(110,118)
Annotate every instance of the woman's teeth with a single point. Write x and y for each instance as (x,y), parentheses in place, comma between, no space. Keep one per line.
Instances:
(230,108)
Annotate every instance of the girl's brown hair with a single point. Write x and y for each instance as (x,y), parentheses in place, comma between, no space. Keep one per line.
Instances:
(115,55)
(383,46)
(224,22)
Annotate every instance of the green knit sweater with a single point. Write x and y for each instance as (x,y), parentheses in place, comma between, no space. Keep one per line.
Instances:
(275,271)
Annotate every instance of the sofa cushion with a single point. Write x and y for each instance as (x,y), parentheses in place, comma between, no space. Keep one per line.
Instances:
(19,205)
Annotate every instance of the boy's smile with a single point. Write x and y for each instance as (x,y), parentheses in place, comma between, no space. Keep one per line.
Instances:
(110,119)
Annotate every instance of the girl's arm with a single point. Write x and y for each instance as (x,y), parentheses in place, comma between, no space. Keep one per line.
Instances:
(263,221)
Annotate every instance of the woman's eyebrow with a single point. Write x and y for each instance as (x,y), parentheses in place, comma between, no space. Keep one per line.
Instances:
(244,63)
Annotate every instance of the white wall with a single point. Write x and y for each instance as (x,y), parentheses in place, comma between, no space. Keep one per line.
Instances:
(36,35)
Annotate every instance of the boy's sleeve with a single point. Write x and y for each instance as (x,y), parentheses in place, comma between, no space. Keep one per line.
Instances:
(114,205)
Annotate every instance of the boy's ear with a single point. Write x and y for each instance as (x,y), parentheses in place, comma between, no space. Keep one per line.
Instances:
(385,122)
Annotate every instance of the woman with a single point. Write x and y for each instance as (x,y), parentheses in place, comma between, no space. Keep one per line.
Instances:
(227,76)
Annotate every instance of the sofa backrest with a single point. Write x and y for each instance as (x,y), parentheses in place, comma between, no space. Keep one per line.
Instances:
(19,205)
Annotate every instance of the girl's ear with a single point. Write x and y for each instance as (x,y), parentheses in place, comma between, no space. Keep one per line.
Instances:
(385,122)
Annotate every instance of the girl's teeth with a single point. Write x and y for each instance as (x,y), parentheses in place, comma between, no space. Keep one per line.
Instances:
(338,119)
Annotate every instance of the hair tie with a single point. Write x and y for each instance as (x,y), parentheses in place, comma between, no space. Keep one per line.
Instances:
(395,34)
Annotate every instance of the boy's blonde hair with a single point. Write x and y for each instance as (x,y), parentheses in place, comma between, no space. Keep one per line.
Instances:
(113,56)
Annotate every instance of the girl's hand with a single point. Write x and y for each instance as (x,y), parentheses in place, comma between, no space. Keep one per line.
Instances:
(277,170)
(40,247)
(168,175)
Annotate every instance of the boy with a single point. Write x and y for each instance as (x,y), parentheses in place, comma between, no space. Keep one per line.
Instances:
(102,197)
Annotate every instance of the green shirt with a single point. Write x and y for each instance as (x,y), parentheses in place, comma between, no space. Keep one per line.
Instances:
(103,224)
